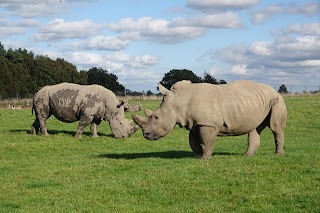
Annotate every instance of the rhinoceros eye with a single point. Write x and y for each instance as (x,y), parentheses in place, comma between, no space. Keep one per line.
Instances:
(156,117)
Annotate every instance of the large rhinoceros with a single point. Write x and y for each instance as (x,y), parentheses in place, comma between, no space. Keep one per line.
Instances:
(209,110)
(87,104)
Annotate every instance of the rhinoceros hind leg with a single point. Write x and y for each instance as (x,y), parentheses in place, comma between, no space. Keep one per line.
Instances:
(43,127)
(277,124)
(35,127)
(253,142)
(195,140)
(279,141)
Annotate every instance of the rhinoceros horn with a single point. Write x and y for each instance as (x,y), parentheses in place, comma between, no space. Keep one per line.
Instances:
(138,120)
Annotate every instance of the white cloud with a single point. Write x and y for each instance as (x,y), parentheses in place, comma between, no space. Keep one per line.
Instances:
(239,69)
(131,71)
(36,8)
(221,20)
(303,29)
(60,29)
(10,30)
(113,62)
(287,59)
(213,5)
(261,16)
(18,27)
(174,31)
(109,43)
(146,61)
(13,44)
(147,28)
(309,9)
(120,57)
(261,48)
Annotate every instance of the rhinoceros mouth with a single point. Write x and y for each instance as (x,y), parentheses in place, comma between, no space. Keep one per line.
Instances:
(152,135)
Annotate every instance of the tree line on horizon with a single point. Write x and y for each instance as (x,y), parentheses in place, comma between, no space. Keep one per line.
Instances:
(22,74)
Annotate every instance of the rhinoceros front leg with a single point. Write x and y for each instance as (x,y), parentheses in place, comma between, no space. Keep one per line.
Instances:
(83,123)
(253,142)
(208,136)
(93,128)
(195,140)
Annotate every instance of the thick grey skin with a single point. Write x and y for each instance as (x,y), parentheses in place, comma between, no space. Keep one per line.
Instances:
(208,111)
(87,104)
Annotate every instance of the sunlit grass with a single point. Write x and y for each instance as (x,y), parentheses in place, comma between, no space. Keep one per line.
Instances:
(61,174)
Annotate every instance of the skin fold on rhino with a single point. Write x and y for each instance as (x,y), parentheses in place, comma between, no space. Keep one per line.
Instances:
(208,111)
(87,104)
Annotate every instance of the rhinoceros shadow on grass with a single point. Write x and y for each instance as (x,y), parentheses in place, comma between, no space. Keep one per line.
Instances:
(71,133)
(164,154)
(54,132)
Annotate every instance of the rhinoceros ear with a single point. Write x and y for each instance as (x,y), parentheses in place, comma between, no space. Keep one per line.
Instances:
(147,112)
(163,90)
(121,104)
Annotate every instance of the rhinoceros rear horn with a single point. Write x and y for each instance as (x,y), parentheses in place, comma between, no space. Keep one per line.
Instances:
(138,120)
(148,112)
(163,90)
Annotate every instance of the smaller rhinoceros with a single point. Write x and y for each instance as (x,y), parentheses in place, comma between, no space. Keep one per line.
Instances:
(87,104)
(207,110)
(135,108)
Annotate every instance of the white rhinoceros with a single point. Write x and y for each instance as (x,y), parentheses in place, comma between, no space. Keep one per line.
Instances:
(87,104)
(209,110)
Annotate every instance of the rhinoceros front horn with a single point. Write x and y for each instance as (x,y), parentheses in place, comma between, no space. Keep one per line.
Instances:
(139,121)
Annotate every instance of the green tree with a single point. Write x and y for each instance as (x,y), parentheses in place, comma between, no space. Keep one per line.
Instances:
(176,75)
(209,79)
(5,77)
(44,74)
(3,52)
(83,78)
(149,93)
(22,74)
(283,89)
(222,81)
(103,78)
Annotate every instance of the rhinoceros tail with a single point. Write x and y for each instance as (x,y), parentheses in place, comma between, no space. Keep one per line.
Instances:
(32,107)
(273,102)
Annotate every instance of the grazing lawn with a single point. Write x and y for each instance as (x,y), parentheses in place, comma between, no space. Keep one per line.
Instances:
(58,173)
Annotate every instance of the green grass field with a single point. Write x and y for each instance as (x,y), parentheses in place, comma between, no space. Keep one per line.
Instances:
(58,173)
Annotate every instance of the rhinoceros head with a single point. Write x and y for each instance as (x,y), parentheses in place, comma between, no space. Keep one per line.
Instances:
(121,127)
(158,123)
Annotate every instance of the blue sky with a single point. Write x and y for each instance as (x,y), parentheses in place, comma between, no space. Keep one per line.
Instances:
(274,42)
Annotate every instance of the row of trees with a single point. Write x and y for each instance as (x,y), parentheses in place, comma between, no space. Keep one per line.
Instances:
(22,74)
(176,75)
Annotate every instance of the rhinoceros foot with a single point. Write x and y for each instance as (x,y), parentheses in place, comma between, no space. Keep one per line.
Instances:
(78,136)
